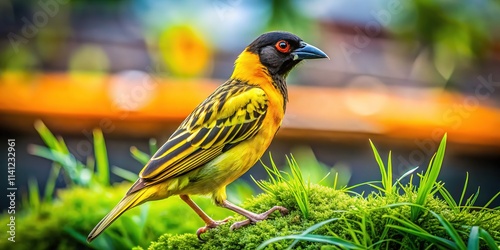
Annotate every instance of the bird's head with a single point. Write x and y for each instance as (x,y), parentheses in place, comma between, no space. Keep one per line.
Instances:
(279,52)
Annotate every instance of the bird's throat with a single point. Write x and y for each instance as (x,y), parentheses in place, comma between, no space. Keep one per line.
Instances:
(249,69)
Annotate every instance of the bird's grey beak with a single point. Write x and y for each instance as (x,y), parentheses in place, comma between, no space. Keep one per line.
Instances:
(307,51)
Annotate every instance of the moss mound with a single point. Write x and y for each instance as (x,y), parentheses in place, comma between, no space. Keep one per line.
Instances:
(65,223)
(327,203)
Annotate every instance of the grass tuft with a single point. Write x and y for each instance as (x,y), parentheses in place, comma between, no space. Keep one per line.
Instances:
(428,180)
(294,182)
(386,173)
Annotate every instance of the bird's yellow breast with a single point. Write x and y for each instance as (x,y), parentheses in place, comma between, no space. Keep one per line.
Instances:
(227,167)
(248,68)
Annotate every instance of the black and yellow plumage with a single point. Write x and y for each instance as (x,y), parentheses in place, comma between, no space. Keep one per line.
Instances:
(225,135)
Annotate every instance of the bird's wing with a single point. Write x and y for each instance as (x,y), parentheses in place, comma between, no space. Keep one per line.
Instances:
(233,113)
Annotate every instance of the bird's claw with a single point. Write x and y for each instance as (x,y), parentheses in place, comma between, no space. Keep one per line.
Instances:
(209,226)
(283,210)
(239,224)
(259,217)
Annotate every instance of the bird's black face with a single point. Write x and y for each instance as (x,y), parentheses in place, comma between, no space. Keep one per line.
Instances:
(281,51)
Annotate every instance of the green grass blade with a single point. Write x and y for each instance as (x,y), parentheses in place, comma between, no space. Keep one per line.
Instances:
(464,189)
(473,243)
(405,223)
(74,170)
(314,238)
(46,153)
(326,176)
(450,230)
(476,234)
(33,195)
(51,182)
(380,242)
(426,236)
(63,148)
(472,199)
(152,146)
(367,183)
(140,156)
(101,157)
(336,181)
(428,180)
(90,164)
(491,200)
(449,199)
(47,136)
(488,239)
(297,186)
(263,185)
(125,174)
(312,228)
(273,172)
(382,169)
(381,189)
(294,181)
(389,184)
(407,173)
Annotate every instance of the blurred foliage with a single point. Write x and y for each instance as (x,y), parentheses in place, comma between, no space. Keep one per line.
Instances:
(456,32)
(319,172)
(286,15)
(76,173)
(21,60)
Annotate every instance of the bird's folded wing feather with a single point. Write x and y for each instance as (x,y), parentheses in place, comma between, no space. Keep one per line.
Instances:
(233,113)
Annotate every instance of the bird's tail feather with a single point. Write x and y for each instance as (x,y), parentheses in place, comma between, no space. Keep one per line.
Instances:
(128,202)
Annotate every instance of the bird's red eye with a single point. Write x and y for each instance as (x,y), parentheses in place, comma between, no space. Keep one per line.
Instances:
(283,46)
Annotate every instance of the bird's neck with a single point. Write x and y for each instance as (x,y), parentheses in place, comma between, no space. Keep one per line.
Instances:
(249,69)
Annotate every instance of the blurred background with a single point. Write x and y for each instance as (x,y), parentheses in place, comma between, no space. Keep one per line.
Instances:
(401,73)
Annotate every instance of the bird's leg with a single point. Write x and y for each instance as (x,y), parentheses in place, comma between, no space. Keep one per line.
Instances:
(252,217)
(209,222)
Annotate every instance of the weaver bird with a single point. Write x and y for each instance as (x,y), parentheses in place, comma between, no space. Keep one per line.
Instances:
(224,136)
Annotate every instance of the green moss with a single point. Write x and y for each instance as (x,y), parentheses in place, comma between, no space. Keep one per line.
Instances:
(75,212)
(363,214)
(65,223)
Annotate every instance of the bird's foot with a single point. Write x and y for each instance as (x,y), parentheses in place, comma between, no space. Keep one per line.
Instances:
(208,226)
(258,217)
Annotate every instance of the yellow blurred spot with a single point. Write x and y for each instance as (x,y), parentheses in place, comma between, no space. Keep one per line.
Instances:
(88,63)
(185,52)
(89,57)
